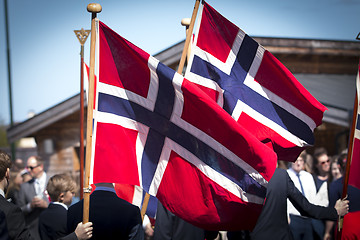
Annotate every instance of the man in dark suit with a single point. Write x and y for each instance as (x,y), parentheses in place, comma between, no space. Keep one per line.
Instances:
(14,223)
(273,221)
(32,198)
(113,217)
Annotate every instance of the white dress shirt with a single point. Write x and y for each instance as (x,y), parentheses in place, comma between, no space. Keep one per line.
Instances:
(308,185)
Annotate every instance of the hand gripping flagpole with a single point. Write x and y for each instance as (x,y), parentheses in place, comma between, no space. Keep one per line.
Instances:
(188,37)
(94,8)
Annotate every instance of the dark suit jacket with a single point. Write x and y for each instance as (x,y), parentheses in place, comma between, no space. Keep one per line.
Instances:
(14,220)
(25,196)
(52,222)
(170,227)
(112,217)
(3,227)
(273,222)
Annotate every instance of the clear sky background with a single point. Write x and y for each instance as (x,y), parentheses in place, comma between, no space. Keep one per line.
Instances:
(45,53)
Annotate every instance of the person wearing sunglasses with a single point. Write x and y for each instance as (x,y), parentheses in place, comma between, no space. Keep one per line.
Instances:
(32,197)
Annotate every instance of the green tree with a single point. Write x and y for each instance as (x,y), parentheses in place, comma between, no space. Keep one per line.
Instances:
(3,138)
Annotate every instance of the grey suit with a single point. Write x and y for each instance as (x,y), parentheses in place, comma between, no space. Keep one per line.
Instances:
(26,194)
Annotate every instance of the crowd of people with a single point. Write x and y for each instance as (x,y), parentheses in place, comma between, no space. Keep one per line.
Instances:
(303,201)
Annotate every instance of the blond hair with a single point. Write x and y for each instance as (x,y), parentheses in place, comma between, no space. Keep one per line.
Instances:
(60,183)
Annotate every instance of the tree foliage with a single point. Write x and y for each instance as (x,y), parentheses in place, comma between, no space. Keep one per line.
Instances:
(3,138)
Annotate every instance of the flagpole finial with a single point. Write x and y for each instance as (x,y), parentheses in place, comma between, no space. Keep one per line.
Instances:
(94,8)
(185,22)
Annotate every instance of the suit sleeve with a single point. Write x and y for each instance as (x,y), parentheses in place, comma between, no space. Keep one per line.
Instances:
(21,201)
(16,225)
(305,207)
(136,231)
(71,215)
(3,226)
(163,223)
(71,236)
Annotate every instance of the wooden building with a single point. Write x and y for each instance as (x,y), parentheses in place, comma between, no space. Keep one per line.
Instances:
(326,68)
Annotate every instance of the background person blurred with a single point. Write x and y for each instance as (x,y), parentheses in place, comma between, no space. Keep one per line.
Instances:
(32,196)
(337,167)
(321,174)
(25,175)
(308,166)
(15,222)
(14,186)
(18,165)
(301,226)
(351,221)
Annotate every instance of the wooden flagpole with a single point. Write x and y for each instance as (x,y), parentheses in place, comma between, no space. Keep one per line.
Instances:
(348,161)
(186,22)
(144,205)
(188,37)
(350,150)
(94,8)
(82,35)
(180,69)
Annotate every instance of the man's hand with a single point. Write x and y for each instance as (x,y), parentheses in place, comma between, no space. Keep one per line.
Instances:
(342,207)
(84,231)
(38,203)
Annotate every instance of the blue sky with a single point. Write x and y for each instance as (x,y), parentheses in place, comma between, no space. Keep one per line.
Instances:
(45,60)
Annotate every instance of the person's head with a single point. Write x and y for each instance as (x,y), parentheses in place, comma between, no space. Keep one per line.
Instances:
(61,188)
(18,165)
(35,166)
(25,175)
(335,169)
(5,165)
(15,178)
(321,162)
(299,164)
(308,163)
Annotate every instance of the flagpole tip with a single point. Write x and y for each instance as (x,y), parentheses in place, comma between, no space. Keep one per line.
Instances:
(94,8)
(185,21)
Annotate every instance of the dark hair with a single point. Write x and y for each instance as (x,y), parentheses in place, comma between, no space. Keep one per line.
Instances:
(5,163)
(341,161)
(317,153)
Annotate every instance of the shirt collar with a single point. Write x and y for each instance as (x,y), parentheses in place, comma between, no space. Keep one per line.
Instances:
(42,179)
(109,189)
(2,193)
(62,204)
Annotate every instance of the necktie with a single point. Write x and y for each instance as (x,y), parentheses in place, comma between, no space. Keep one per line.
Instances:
(301,186)
(38,187)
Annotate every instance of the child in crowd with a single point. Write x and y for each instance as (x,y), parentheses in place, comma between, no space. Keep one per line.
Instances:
(53,220)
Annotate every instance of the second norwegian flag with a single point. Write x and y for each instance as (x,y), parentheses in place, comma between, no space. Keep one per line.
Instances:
(257,90)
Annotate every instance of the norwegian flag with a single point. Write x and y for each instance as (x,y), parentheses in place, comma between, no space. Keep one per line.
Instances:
(252,86)
(130,193)
(354,178)
(155,129)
